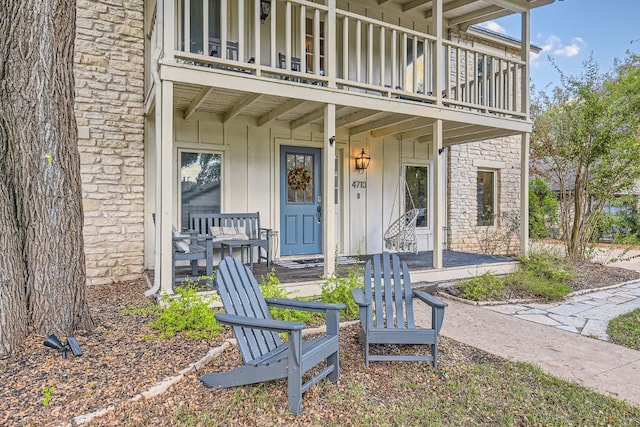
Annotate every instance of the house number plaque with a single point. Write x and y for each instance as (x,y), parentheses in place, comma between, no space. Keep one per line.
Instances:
(359,184)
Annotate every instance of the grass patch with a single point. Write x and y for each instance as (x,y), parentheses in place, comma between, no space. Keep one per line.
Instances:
(487,393)
(625,329)
(542,275)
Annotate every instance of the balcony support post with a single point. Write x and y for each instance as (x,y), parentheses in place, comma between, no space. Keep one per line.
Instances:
(330,45)
(438,57)
(525,52)
(168,28)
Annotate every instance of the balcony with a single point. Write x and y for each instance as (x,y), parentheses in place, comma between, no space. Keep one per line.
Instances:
(324,47)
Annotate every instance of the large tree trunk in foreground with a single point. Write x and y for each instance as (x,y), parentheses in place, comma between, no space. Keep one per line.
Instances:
(42,267)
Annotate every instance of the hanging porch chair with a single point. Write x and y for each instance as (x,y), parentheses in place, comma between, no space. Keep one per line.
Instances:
(401,234)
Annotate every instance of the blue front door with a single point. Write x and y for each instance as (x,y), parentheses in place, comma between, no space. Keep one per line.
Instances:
(300,201)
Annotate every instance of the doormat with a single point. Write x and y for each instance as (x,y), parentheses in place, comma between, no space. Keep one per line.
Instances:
(314,262)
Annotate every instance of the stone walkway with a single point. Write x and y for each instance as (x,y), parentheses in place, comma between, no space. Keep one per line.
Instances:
(557,337)
(587,314)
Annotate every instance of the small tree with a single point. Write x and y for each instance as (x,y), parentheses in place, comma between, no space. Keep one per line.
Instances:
(586,141)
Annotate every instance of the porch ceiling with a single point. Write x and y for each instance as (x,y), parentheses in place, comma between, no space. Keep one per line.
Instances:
(227,104)
(464,13)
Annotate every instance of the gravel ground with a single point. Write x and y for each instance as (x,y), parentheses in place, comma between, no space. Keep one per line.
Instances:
(121,360)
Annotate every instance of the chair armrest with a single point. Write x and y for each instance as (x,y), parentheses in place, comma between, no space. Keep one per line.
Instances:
(266,231)
(252,322)
(360,299)
(294,304)
(429,299)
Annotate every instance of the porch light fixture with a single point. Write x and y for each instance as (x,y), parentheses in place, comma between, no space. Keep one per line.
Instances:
(265,9)
(362,161)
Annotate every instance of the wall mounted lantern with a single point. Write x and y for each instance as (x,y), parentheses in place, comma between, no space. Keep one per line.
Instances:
(265,9)
(362,161)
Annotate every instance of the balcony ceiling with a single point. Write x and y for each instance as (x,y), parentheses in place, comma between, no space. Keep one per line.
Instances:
(463,13)
(195,101)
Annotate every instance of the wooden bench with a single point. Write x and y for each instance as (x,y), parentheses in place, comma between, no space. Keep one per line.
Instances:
(256,236)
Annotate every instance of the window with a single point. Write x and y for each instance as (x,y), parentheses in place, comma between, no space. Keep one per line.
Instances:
(200,179)
(486,197)
(417,192)
(300,179)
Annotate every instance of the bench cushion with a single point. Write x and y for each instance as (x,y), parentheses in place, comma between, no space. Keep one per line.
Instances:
(228,233)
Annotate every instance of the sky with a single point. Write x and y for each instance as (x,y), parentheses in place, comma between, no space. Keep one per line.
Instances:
(569,31)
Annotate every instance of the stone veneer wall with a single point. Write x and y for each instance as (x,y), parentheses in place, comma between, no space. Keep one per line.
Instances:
(464,162)
(109,73)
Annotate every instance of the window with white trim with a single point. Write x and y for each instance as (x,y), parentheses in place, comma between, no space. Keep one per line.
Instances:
(486,197)
(417,192)
(200,184)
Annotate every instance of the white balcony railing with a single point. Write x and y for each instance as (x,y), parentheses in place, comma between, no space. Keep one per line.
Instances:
(360,54)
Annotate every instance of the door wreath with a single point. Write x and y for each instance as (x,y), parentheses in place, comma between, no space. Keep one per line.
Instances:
(299,178)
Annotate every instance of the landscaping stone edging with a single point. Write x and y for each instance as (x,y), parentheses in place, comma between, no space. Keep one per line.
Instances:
(162,386)
(532,300)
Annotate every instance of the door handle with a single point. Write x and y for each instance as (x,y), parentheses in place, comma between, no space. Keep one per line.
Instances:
(319,214)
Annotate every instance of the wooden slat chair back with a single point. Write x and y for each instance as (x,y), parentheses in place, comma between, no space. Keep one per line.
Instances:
(264,354)
(241,296)
(386,310)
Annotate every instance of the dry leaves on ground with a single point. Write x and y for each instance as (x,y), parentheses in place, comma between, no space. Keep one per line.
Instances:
(123,357)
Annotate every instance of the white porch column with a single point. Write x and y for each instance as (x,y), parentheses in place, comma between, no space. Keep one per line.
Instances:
(164,180)
(524,155)
(328,202)
(524,195)
(438,191)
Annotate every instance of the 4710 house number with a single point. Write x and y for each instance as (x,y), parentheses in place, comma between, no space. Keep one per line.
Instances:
(359,184)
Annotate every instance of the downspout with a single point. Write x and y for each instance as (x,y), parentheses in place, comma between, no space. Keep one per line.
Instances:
(155,59)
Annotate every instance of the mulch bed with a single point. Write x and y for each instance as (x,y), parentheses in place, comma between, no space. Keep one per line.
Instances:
(123,357)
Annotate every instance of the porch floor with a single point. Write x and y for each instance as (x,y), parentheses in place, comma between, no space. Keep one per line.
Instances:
(416,262)
(307,281)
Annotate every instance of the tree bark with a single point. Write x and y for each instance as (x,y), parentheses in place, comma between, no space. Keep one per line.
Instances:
(40,170)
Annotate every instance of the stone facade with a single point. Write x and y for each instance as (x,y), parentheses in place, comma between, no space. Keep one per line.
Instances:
(501,155)
(109,73)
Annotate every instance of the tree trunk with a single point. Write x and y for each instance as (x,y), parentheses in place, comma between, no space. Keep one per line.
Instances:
(40,170)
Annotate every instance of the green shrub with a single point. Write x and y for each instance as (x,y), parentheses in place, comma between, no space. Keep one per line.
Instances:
(548,265)
(272,288)
(188,313)
(543,274)
(538,286)
(337,290)
(480,288)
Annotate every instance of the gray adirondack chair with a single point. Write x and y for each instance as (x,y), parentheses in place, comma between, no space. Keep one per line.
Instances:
(386,310)
(265,356)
